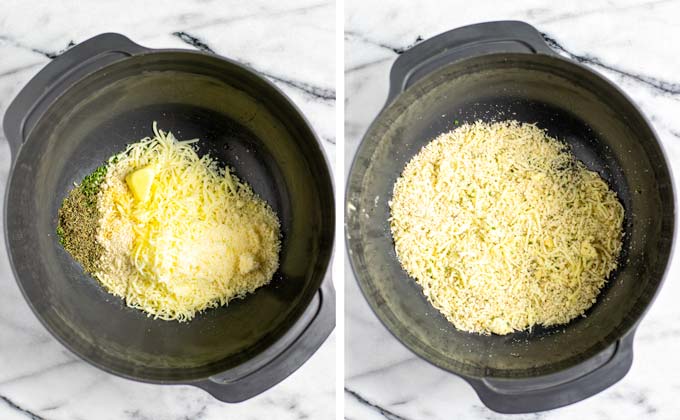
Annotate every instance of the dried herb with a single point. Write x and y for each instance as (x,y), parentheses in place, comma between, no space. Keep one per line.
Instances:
(78,221)
(91,183)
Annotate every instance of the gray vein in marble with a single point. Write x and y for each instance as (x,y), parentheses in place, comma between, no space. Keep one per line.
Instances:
(294,407)
(638,398)
(193,41)
(307,88)
(49,54)
(52,407)
(486,414)
(19,69)
(383,411)
(663,86)
(366,65)
(12,324)
(39,372)
(608,10)
(292,404)
(221,21)
(382,368)
(397,50)
(138,415)
(315,91)
(29,414)
(359,37)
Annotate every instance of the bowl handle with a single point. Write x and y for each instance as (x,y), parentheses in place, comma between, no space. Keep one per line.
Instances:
(465,42)
(281,359)
(59,75)
(512,396)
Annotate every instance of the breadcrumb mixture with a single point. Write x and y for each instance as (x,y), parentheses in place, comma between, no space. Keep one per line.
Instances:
(504,229)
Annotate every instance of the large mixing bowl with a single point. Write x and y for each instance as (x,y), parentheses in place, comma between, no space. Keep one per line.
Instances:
(497,71)
(85,106)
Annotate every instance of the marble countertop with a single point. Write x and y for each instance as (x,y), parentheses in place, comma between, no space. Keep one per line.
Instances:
(289,43)
(632,43)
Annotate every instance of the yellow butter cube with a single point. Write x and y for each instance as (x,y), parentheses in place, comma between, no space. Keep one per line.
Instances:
(140,182)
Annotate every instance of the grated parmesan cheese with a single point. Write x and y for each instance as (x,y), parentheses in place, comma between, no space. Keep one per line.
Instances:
(504,229)
(197,240)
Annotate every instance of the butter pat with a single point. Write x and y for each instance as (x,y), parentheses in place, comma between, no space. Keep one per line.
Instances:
(140,182)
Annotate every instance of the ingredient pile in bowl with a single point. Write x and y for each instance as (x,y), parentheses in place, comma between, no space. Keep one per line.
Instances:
(170,232)
(504,229)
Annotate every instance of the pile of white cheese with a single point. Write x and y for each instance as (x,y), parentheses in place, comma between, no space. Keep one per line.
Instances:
(179,233)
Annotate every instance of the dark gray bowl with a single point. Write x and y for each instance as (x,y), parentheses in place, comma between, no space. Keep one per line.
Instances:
(497,71)
(87,105)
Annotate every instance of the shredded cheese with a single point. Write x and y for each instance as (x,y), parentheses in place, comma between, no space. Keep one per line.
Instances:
(504,229)
(196,239)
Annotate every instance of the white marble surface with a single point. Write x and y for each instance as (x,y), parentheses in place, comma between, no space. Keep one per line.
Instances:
(292,42)
(634,44)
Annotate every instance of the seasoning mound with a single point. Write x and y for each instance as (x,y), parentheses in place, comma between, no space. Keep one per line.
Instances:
(504,229)
(177,234)
(78,220)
